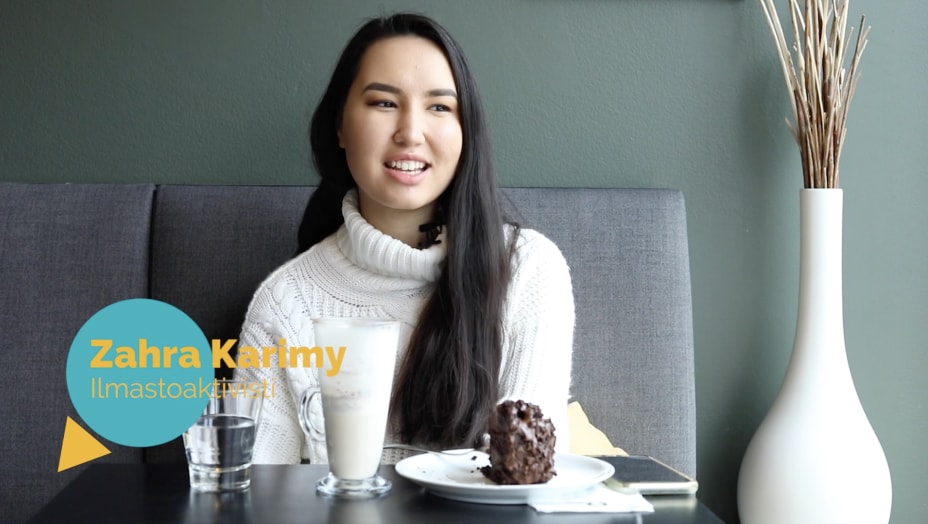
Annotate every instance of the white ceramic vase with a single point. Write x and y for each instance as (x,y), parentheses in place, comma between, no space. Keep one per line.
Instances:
(815,458)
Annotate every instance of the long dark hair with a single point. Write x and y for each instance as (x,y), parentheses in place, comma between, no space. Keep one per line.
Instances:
(448,382)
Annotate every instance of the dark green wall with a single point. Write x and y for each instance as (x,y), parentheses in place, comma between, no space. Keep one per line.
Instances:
(617,93)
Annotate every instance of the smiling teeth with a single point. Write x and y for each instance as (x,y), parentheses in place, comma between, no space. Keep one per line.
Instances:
(406,165)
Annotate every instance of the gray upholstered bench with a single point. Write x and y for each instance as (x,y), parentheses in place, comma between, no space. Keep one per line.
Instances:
(68,250)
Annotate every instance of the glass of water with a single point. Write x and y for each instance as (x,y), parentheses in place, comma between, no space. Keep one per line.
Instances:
(221,443)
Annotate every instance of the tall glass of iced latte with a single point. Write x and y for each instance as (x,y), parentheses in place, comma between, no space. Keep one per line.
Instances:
(355,392)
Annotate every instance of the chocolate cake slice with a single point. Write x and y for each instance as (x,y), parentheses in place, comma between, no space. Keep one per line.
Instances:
(521,445)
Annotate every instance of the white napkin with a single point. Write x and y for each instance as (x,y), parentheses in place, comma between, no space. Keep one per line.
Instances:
(598,499)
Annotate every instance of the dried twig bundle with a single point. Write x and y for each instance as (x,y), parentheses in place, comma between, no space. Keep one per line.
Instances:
(820,87)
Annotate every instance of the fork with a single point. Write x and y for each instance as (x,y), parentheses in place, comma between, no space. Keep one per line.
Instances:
(484,447)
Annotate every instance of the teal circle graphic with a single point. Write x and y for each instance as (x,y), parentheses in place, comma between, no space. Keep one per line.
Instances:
(140,372)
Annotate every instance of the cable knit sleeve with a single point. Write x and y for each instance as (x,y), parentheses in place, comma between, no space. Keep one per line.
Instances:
(539,331)
(276,317)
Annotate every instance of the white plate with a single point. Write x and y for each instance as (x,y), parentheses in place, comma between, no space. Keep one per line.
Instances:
(459,478)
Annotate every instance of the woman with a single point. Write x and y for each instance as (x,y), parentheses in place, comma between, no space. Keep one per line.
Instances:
(406,224)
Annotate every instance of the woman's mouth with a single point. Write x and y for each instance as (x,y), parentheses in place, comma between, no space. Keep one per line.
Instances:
(411,167)
(406,172)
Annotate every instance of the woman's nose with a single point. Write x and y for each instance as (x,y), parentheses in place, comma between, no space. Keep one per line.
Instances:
(409,128)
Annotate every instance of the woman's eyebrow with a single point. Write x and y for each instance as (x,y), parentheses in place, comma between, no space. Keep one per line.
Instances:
(443,92)
(379,86)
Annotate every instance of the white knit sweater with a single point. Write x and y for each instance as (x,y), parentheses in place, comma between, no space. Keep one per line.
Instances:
(362,272)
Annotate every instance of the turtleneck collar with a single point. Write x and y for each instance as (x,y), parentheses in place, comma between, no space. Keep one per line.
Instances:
(377,252)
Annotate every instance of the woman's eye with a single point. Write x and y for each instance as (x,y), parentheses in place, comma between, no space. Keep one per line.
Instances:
(441,108)
(383,103)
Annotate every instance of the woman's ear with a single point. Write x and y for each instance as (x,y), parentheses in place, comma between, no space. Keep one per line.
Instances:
(338,128)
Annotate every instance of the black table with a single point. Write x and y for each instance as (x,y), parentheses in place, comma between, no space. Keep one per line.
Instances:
(121,493)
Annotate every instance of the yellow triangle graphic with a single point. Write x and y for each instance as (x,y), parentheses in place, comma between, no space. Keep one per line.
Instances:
(78,447)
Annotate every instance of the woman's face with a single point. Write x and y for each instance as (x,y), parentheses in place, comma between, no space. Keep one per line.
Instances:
(400,127)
